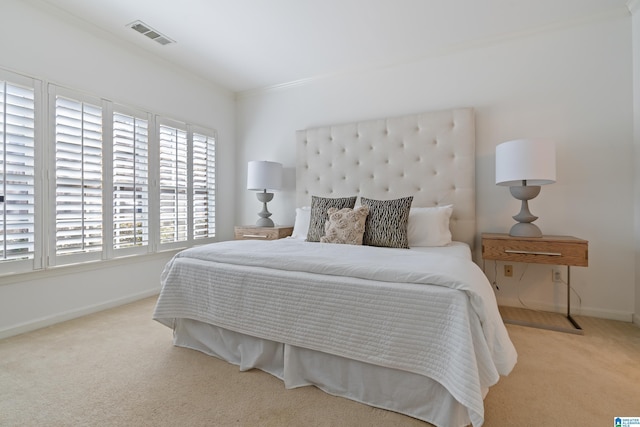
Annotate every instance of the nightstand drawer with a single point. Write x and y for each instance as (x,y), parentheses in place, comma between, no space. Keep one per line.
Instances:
(252,232)
(557,250)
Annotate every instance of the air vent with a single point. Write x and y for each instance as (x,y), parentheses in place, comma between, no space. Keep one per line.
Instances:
(146,30)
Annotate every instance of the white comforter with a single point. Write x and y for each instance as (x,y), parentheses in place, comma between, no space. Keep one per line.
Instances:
(365,303)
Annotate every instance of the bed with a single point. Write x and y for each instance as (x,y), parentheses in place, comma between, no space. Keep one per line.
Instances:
(412,328)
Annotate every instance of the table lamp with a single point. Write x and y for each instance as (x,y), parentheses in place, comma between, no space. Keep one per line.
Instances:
(264,176)
(524,165)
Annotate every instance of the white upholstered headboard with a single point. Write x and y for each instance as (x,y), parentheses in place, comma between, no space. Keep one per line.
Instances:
(430,156)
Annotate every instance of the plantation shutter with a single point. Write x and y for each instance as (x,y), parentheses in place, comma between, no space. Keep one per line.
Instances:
(204,221)
(173,185)
(78,170)
(130,181)
(17,145)
(57,157)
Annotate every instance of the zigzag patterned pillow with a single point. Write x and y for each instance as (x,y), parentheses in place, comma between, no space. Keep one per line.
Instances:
(319,215)
(386,224)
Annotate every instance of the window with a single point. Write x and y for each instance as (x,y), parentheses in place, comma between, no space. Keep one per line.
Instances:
(17,183)
(204,204)
(187,184)
(130,181)
(78,177)
(173,184)
(119,181)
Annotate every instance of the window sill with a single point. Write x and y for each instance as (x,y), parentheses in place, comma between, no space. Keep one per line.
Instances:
(12,278)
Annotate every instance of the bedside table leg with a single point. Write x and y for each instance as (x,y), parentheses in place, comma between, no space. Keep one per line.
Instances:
(571,319)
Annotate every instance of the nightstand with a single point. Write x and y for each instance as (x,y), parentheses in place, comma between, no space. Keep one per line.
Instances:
(253,232)
(556,250)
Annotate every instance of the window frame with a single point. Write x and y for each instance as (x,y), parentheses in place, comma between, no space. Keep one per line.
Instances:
(209,134)
(112,252)
(54,259)
(176,244)
(45,256)
(12,266)
(189,129)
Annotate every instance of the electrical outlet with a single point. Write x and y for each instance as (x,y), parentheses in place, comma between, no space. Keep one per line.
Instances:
(508,271)
(556,274)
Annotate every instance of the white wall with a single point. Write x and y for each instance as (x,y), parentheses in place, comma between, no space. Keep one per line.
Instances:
(45,44)
(572,85)
(634,7)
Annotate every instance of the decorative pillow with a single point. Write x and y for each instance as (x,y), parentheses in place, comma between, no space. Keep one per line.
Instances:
(301,224)
(345,226)
(429,226)
(319,216)
(386,223)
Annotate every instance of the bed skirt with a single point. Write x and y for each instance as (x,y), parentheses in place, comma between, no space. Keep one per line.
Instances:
(386,388)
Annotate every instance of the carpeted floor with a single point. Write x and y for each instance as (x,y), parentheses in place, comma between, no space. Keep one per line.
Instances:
(119,368)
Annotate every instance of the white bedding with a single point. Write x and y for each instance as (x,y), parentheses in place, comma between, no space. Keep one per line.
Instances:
(362,303)
(457,249)
(391,389)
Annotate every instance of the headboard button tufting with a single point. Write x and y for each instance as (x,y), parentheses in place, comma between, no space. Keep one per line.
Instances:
(388,158)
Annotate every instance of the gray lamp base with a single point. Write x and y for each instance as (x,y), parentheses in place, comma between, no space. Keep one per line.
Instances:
(265,222)
(264,214)
(524,227)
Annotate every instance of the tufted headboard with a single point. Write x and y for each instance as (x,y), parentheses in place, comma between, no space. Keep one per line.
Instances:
(430,156)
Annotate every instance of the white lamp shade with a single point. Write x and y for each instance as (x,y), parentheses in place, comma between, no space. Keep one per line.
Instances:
(263,175)
(533,160)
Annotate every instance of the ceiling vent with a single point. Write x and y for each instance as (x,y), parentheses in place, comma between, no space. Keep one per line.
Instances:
(154,35)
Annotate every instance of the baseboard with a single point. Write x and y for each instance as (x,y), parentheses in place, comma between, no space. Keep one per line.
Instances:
(604,314)
(636,320)
(72,314)
(578,311)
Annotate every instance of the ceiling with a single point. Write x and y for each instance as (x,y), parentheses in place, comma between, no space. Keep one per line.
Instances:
(250,44)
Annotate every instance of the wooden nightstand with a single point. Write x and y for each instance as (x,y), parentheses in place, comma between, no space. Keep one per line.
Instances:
(253,232)
(556,250)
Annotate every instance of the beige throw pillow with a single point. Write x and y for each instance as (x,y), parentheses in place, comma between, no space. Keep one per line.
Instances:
(345,226)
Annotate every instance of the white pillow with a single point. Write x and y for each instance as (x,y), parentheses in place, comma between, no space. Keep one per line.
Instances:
(429,226)
(301,225)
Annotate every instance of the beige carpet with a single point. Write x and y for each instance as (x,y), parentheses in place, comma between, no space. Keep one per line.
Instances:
(118,368)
